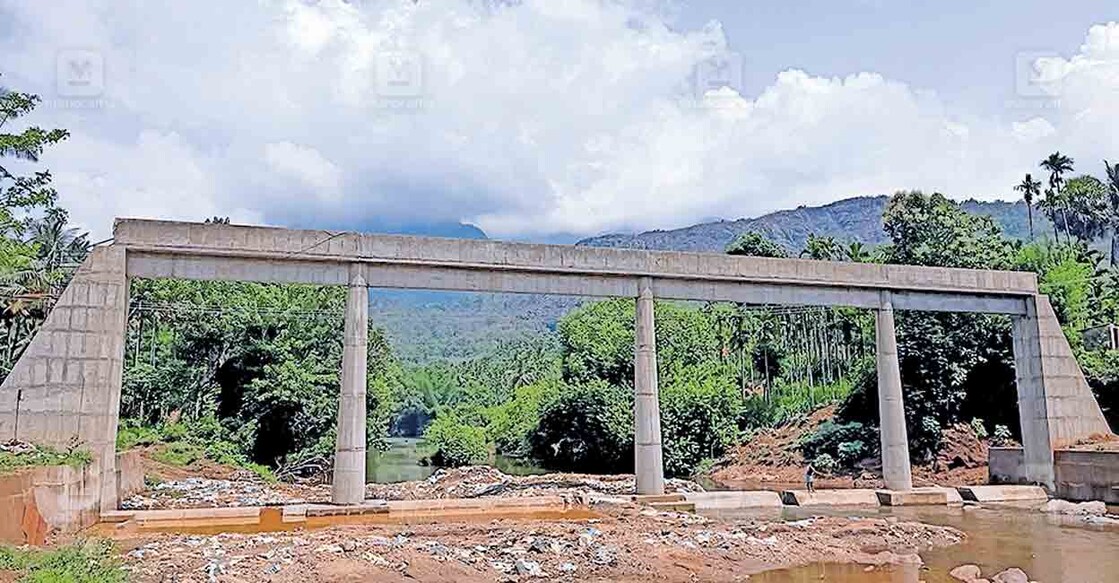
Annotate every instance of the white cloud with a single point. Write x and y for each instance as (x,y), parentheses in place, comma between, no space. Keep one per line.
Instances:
(525,117)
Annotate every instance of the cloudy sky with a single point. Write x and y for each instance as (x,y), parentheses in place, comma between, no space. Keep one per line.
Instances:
(538,118)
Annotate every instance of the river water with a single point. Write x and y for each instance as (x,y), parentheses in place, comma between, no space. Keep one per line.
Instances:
(402,463)
(1049,548)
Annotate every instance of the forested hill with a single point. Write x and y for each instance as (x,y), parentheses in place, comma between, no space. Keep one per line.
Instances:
(431,326)
(851,219)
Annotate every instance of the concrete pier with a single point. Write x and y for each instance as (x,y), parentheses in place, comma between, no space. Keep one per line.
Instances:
(891,409)
(648,458)
(349,452)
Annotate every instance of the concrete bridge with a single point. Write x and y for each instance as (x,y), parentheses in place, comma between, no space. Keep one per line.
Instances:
(67,385)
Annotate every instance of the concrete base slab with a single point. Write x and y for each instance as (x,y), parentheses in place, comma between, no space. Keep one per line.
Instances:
(1004,493)
(657,498)
(919,497)
(830,498)
(733,500)
(674,506)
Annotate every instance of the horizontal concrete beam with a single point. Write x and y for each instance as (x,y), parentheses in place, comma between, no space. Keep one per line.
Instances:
(266,254)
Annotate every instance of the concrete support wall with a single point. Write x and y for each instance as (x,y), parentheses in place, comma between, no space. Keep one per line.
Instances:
(1056,406)
(648,457)
(891,408)
(349,453)
(65,389)
(1079,475)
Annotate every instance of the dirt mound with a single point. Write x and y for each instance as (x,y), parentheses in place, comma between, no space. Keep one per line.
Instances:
(771,459)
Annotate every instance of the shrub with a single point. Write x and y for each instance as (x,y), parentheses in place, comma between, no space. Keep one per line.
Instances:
(132,435)
(825,464)
(978,428)
(179,453)
(588,428)
(925,442)
(844,443)
(851,452)
(454,444)
(699,419)
(510,425)
(1001,436)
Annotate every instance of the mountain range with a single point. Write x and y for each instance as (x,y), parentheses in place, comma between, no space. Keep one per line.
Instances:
(425,326)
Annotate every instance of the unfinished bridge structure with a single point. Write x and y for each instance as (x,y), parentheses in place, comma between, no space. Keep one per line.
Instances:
(66,387)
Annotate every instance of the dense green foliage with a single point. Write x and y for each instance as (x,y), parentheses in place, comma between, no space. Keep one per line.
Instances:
(261,360)
(38,251)
(456,444)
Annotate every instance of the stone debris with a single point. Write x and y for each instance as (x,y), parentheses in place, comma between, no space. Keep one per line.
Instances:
(247,489)
(208,493)
(973,574)
(1094,508)
(621,545)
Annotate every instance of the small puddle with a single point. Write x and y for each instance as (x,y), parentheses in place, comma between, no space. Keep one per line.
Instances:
(1049,548)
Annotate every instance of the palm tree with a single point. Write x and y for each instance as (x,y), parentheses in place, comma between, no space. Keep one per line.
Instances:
(857,252)
(1030,190)
(1058,165)
(1112,171)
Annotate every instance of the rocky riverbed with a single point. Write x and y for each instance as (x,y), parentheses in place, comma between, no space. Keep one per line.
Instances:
(627,543)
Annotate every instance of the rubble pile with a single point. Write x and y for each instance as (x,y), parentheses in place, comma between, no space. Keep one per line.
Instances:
(209,493)
(629,542)
(479,481)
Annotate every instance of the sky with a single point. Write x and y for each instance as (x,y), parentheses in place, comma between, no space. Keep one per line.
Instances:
(543,119)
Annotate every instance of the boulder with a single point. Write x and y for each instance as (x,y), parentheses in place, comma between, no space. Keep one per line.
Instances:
(1094,508)
(966,573)
(1012,575)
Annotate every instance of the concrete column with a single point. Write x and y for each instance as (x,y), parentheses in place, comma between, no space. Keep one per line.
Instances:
(1033,407)
(349,451)
(891,409)
(648,458)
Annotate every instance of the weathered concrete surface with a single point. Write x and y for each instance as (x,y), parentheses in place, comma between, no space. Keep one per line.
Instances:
(59,498)
(65,388)
(856,497)
(203,251)
(348,486)
(733,500)
(891,410)
(648,461)
(1079,475)
(1056,406)
(1003,493)
(919,497)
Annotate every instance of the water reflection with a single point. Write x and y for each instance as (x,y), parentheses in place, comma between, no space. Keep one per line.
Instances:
(1049,548)
(402,463)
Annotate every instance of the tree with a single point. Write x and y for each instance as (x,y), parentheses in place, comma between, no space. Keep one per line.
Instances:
(822,249)
(856,252)
(1087,208)
(754,244)
(1112,171)
(1030,189)
(37,250)
(1057,165)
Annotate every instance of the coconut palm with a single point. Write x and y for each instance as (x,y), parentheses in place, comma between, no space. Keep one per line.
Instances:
(1057,164)
(1030,190)
(1112,171)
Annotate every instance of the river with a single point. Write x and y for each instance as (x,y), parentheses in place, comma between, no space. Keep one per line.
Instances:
(402,463)
(1049,548)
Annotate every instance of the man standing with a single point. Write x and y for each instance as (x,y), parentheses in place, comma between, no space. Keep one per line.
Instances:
(809,478)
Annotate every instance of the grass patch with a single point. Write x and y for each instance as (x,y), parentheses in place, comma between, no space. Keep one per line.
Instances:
(90,561)
(41,455)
